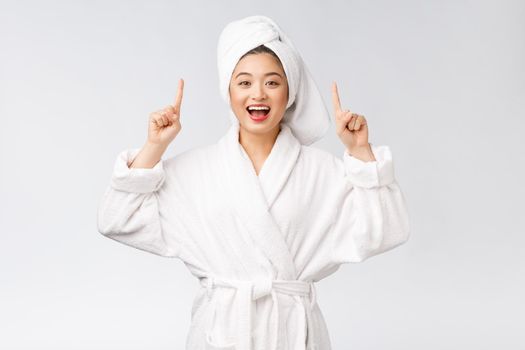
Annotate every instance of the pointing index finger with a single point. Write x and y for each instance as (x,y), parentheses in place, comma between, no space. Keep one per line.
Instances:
(178,99)
(335,98)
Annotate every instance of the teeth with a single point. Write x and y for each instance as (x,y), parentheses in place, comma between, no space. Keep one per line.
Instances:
(251,108)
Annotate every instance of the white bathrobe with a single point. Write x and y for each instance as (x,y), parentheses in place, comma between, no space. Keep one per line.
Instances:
(258,243)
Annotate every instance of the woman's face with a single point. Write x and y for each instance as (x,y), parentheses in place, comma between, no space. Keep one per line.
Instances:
(259,79)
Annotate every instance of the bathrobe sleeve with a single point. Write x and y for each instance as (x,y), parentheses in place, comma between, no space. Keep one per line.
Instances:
(372,215)
(129,209)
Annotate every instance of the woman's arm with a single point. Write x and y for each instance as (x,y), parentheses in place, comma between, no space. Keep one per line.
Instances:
(371,213)
(129,210)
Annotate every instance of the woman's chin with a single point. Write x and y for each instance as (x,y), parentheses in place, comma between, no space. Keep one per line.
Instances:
(259,125)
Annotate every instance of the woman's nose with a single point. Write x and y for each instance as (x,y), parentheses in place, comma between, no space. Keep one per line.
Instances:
(258,93)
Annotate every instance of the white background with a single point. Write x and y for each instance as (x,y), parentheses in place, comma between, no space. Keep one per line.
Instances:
(441,82)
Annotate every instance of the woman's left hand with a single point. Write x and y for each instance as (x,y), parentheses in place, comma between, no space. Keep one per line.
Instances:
(351,128)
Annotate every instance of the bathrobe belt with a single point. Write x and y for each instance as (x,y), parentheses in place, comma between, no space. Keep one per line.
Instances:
(249,291)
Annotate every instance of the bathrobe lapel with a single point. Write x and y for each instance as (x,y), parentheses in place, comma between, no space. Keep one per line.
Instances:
(251,197)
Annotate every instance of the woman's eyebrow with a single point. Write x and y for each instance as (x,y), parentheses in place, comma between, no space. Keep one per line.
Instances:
(267,74)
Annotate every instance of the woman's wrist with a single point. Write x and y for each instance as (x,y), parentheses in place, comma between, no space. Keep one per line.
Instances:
(363,153)
(149,156)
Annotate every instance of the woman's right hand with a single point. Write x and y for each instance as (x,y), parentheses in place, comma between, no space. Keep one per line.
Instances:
(164,124)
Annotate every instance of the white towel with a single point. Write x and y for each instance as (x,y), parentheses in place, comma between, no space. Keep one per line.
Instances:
(306,114)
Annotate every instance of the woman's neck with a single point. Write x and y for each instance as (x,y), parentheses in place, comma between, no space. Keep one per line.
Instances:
(258,146)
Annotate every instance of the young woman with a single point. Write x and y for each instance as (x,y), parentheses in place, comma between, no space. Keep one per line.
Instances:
(259,216)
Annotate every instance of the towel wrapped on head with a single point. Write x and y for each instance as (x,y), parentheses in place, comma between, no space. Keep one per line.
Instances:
(306,113)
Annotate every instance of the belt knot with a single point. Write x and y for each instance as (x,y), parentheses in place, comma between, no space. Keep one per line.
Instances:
(261,287)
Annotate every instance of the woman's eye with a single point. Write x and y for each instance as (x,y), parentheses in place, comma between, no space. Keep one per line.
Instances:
(246,83)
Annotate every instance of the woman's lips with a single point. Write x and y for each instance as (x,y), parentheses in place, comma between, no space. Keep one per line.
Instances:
(259,118)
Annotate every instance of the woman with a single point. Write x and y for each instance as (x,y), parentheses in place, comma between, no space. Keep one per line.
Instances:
(258,216)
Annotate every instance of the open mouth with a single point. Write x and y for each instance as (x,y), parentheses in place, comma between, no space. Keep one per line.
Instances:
(258,112)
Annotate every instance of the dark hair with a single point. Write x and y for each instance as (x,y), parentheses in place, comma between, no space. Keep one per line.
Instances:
(261,49)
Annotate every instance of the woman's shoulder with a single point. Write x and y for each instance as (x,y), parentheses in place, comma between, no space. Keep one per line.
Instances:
(318,162)
(189,159)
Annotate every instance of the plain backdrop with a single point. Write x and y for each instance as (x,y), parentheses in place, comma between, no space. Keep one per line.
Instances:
(441,82)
